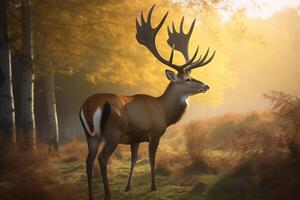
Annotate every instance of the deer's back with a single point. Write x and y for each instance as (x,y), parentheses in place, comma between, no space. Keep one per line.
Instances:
(137,115)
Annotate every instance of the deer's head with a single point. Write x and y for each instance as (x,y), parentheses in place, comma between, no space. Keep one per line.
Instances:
(177,41)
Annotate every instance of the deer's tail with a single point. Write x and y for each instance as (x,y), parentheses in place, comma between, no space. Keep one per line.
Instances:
(96,123)
(105,115)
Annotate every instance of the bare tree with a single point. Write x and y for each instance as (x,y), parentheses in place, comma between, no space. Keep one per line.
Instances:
(27,96)
(52,113)
(7,116)
(286,109)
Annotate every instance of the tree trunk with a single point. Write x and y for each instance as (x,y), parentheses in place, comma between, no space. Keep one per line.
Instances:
(52,114)
(7,115)
(40,109)
(17,87)
(28,138)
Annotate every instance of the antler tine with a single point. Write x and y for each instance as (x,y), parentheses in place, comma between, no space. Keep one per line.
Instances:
(162,22)
(192,28)
(137,25)
(146,36)
(205,56)
(191,60)
(209,60)
(172,55)
(142,18)
(173,28)
(169,31)
(200,62)
(150,14)
(181,25)
(199,59)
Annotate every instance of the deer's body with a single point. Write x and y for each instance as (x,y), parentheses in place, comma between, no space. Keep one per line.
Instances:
(114,119)
(139,116)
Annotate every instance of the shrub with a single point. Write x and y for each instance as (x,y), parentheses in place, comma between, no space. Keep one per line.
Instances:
(27,176)
(286,110)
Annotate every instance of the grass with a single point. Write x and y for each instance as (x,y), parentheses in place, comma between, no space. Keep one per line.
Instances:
(56,176)
(72,171)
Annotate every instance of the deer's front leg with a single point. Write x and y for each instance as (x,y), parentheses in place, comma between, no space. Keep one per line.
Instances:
(153,144)
(134,156)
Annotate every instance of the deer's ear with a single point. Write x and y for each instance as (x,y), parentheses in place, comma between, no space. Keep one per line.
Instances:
(171,75)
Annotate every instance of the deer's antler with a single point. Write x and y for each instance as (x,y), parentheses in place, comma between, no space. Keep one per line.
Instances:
(181,42)
(179,39)
(146,36)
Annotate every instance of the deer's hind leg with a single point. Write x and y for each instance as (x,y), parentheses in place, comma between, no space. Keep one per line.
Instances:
(107,150)
(114,129)
(93,145)
(112,137)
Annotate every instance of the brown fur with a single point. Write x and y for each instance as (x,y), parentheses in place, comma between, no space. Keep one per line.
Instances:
(139,115)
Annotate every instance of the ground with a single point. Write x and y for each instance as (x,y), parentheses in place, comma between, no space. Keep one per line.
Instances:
(168,187)
(232,157)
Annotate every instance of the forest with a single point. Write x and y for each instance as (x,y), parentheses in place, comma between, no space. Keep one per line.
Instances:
(238,141)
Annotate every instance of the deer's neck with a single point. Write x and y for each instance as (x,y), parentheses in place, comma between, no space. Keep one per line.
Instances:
(173,104)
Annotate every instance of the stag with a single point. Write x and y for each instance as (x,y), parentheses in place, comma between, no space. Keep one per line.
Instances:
(114,119)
